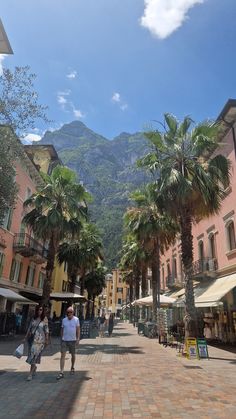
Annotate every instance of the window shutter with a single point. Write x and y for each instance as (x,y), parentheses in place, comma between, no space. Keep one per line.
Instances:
(13,266)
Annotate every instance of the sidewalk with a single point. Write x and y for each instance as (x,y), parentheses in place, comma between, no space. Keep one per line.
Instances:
(125,376)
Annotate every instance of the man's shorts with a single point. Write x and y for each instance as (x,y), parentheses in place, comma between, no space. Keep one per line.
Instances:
(68,345)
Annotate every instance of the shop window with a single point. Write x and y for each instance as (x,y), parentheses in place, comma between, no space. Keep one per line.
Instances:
(16,268)
(2,261)
(231,235)
(30,275)
(42,277)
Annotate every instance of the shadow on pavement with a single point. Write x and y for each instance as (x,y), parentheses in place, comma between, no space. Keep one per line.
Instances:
(43,397)
(89,349)
(231,360)
(8,346)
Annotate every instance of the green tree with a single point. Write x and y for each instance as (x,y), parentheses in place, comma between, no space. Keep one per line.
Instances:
(94,284)
(81,254)
(154,231)
(19,109)
(191,178)
(56,211)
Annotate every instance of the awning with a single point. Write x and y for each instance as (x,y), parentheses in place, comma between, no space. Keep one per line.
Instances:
(147,301)
(209,294)
(13,296)
(65,296)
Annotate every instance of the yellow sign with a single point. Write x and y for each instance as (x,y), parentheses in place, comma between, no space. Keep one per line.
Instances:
(191,348)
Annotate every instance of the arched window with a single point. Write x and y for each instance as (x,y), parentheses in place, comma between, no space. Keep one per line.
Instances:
(231,235)
(201,250)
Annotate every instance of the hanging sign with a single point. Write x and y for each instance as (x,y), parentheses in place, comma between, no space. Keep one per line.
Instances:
(191,348)
(202,348)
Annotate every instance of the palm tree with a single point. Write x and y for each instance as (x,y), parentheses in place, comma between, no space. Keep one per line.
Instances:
(94,284)
(81,254)
(154,231)
(192,185)
(56,211)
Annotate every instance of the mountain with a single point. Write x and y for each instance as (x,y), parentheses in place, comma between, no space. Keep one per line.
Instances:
(108,171)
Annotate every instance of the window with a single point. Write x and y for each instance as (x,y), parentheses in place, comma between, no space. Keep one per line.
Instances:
(42,277)
(163,277)
(110,294)
(119,300)
(16,268)
(65,266)
(174,264)
(119,289)
(6,223)
(231,235)
(64,286)
(212,246)
(2,260)
(200,250)
(30,275)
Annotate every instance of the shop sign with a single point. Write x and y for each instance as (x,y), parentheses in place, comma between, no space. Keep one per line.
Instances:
(202,348)
(191,348)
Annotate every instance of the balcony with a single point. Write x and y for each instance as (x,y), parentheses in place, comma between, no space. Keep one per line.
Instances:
(205,267)
(174,282)
(27,246)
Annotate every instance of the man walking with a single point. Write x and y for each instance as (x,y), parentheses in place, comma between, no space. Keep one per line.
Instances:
(70,334)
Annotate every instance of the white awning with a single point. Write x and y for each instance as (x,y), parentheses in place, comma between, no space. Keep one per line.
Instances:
(147,301)
(209,294)
(64,296)
(13,296)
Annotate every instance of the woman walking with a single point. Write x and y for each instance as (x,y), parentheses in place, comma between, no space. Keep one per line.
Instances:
(37,337)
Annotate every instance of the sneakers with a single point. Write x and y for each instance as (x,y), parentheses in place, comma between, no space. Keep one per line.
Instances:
(60,376)
(29,378)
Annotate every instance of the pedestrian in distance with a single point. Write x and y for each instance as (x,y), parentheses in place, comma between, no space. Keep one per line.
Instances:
(18,322)
(70,335)
(110,324)
(102,324)
(37,338)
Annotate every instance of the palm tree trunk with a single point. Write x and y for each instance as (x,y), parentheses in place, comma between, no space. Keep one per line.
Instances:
(144,281)
(190,319)
(47,286)
(137,284)
(130,301)
(156,281)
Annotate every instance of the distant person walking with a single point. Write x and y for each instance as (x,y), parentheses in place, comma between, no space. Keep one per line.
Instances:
(18,322)
(37,337)
(110,324)
(70,335)
(102,324)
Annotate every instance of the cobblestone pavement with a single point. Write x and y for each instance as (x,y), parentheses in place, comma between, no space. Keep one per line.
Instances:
(126,376)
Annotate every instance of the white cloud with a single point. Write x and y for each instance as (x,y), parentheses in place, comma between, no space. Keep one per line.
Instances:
(116,97)
(78,114)
(61,98)
(72,74)
(2,57)
(163,17)
(124,107)
(29,138)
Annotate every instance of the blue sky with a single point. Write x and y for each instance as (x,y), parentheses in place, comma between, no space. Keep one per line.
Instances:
(118,64)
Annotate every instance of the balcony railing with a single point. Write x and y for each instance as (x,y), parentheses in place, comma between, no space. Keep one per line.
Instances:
(27,246)
(174,282)
(206,266)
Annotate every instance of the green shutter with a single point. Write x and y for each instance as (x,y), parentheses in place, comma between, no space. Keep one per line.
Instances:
(13,266)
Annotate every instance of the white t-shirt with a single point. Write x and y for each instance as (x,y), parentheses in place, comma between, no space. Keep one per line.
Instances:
(69,328)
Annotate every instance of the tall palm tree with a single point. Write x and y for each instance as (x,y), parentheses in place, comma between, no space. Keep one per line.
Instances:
(56,211)
(81,254)
(191,178)
(154,231)
(94,284)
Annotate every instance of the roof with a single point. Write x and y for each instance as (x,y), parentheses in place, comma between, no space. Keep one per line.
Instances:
(227,117)
(5,47)
(13,296)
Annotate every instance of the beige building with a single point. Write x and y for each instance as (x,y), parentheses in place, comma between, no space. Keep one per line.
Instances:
(116,292)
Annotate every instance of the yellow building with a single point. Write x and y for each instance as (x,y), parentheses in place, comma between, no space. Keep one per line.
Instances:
(116,292)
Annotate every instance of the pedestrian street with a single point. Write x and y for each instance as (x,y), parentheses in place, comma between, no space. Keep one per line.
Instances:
(124,376)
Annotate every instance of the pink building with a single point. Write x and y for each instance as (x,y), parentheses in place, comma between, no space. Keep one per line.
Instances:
(22,257)
(214,252)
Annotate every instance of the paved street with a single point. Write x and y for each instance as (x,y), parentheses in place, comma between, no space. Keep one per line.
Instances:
(126,376)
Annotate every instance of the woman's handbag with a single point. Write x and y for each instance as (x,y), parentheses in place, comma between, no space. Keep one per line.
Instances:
(19,351)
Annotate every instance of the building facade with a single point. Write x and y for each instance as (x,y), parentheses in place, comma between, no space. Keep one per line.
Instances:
(214,248)
(116,292)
